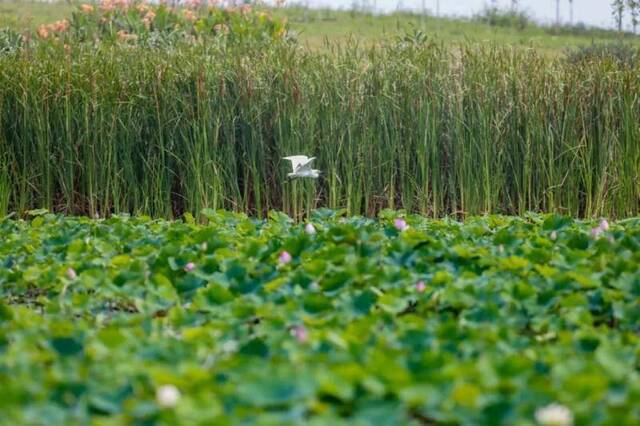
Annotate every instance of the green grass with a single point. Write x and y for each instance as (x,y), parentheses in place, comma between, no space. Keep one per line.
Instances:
(515,314)
(411,125)
(29,14)
(316,27)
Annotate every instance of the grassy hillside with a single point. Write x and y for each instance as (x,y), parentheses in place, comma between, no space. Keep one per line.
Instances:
(314,27)
(27,14)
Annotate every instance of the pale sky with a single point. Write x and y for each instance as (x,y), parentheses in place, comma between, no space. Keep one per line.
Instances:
(591,12)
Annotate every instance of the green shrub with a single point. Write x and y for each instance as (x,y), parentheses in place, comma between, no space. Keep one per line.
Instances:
(135,21)
(621,53)
(10,41)
(497,17)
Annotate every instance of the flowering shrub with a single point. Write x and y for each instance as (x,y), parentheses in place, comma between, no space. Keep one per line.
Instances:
(133,21)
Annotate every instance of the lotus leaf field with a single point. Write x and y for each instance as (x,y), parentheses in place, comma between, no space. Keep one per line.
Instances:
(231,321)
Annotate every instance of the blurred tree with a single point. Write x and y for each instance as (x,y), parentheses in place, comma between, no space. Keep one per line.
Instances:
(618,13)
(571,12)
(634,10)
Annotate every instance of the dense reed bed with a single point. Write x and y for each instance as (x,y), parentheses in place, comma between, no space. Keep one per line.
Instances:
(414,125)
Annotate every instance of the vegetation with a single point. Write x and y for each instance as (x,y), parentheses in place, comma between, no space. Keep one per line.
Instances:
(219,318)
(314,28)
(116,127)
(345,321)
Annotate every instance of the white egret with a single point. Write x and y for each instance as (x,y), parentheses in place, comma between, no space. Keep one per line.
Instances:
(301,165)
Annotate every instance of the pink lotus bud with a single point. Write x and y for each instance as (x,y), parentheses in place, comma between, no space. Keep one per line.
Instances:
(300,333)
(167,396)
(401,224)
(71,274)
(420,287)
(596,232)
(284,258)
(604,225)
(190,267)
(310,229)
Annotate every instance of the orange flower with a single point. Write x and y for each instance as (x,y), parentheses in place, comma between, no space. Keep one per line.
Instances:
(107,5)
(86,8)
(189,15)
(148,19)
(221,29)
(125,36)
(60,26)
(43,32)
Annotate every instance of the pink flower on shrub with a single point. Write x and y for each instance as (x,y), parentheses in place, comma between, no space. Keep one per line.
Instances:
(190,267)
(421,286)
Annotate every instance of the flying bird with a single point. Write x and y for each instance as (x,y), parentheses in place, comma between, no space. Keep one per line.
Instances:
(301,165)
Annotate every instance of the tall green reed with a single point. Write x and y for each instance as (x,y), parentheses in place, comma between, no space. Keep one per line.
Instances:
(419,126)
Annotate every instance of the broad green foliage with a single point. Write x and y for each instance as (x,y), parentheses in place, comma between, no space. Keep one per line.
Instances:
(515,313)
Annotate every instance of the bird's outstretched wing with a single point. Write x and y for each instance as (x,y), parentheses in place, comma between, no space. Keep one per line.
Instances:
(305,166)
(296,161)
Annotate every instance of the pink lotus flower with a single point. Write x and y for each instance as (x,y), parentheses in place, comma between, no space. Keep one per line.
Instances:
(71,274)
(604,225)
(401,224)
(190,267)
(310,229)
(285,258)
(420,286)
(300,333)
(596,232)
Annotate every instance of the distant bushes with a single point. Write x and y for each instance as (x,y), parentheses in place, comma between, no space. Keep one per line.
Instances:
(497,17)
(621,53)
